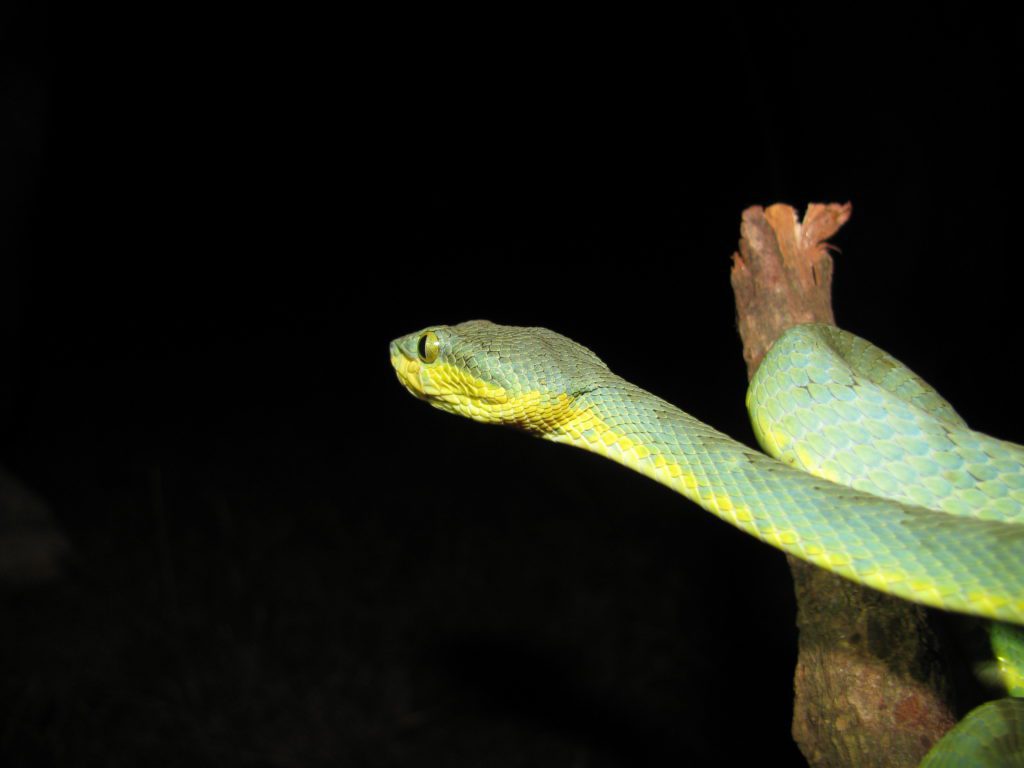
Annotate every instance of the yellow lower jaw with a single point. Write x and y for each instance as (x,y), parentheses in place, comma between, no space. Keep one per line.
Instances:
(408,373)
(454,390)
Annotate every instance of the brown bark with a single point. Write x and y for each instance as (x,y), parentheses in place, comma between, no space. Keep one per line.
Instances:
(869,684)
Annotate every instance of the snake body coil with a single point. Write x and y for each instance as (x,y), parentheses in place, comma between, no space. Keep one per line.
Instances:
(876,477)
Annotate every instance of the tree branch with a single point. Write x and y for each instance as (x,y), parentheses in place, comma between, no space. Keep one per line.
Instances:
(870,687)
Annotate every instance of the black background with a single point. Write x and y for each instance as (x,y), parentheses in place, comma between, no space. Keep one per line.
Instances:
(215,218)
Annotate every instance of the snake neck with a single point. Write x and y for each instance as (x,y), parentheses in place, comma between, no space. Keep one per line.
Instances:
(620,421)
(633,427)
(925,556)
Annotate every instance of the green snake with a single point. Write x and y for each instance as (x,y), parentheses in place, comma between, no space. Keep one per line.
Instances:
(874,476)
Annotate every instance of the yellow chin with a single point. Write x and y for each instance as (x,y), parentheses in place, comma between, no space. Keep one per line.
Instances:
(408,373)
(451,389)
(454,390)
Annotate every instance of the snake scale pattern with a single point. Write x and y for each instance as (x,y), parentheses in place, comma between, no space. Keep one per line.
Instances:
(872,474)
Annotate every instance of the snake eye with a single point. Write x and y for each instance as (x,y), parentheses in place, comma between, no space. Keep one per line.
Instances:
(428,347)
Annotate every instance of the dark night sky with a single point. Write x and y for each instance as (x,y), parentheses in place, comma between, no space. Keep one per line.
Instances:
(215,219)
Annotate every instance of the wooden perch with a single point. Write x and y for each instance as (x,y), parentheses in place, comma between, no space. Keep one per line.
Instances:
(870,688)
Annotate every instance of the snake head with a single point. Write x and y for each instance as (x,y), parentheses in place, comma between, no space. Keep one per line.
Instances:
(529,378)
